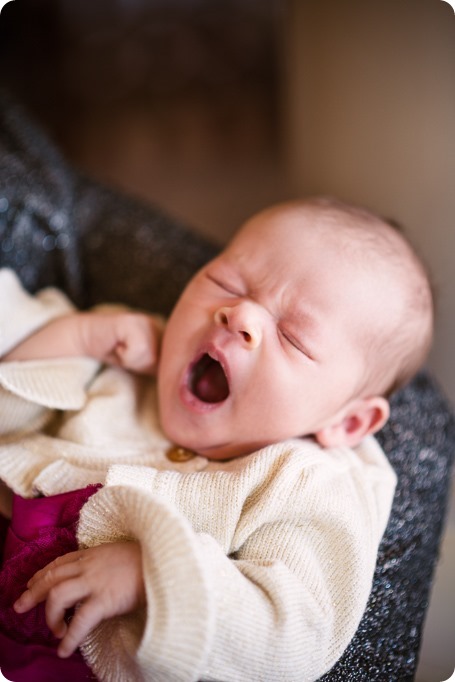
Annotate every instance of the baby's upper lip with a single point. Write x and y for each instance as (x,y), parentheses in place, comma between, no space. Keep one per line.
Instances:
(214,351)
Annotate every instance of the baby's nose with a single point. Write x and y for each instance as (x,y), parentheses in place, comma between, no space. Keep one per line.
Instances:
(240,319)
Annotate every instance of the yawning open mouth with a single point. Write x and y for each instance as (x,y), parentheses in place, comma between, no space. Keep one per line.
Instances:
(208,380)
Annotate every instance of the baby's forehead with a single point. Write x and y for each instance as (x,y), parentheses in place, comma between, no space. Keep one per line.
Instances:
(297,243)
(308,239)
(345,237)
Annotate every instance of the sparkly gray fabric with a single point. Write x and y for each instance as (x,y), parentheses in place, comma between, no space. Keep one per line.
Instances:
(59,228)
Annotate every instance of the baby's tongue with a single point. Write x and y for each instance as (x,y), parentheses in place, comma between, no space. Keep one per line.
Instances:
(211,386)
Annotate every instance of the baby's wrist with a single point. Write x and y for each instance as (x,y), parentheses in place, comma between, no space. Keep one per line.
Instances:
(95,335)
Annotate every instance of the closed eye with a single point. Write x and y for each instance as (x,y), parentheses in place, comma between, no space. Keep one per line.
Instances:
(295,343)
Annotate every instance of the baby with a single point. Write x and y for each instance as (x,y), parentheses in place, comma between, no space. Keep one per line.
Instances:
(236,539)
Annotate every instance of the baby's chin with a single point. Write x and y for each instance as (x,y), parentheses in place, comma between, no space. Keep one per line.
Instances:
(226,451)
(218,452)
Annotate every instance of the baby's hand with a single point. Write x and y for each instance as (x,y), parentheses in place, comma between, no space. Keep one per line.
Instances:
(135,340)
(103,581)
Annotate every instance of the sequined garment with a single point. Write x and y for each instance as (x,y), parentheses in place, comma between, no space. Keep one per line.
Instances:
(59,228)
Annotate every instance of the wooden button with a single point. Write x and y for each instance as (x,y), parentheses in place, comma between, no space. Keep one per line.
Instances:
(178,454)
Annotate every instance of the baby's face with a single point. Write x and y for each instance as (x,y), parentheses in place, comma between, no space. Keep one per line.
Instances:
(266,342)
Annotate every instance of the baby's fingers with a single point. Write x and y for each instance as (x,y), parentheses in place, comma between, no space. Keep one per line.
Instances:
(57,567)
(60,598)
(44,581)
(87,617)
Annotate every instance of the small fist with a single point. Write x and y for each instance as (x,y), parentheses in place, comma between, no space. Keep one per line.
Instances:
(137,341)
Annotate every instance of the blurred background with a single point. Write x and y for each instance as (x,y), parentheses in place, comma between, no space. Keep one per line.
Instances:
(213,110)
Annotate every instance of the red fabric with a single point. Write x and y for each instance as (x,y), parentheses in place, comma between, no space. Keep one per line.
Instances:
(37,663)
(41,530)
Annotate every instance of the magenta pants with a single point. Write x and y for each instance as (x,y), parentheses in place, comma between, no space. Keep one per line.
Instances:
(41,529)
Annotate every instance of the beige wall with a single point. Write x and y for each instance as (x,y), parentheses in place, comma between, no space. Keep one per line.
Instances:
(369,110)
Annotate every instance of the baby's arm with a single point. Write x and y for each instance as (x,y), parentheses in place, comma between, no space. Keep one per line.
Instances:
(128,339)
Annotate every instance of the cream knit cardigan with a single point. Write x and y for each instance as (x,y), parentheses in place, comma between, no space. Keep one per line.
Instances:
(255,569)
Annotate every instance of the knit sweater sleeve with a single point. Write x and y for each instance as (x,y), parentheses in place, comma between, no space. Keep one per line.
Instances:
(261,573)
(30,389)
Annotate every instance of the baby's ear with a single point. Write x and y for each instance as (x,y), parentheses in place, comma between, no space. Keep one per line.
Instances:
(356,420)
